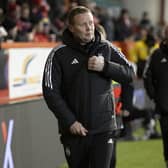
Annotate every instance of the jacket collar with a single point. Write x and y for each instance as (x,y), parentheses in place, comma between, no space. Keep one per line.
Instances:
(70,41)
(164,46)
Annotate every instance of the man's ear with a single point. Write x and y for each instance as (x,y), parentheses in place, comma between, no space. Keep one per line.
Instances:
(71,28)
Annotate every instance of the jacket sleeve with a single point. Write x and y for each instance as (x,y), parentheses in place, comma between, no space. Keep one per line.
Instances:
(117,67)
(148,78)
(52,91)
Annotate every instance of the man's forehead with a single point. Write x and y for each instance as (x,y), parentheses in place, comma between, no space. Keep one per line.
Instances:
(84,16)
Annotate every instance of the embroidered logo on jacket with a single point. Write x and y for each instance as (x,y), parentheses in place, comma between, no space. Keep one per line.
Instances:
(75,61)
(67,151)
(163,60)
(110,141)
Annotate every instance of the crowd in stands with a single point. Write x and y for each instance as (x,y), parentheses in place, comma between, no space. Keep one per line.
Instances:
(41,20)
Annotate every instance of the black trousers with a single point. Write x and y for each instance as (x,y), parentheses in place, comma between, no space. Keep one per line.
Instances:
(91,151)
(114,155)
(164,130)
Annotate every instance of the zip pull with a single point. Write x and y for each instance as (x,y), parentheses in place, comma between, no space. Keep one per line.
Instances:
(99,54)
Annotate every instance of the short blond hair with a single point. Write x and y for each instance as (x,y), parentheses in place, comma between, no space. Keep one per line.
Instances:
(76,11)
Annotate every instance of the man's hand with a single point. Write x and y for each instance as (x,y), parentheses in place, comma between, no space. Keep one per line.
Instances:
(78,129)
(96,63)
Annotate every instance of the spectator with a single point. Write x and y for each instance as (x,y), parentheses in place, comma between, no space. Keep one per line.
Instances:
(145,21)
(106,20)
(40,9)
(12,29)
(25,22)
(143,48)
(1,15)
(39,32)
(3,65)
(123,29)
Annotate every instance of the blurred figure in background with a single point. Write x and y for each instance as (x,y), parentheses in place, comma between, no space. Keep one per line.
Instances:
(124,27)
(3,61)
(106,20)
(1,15)
(25,22)
(156,84)
(41,31)
(145,22)
(142,104)
(118,112)
(143,48)
(12,29)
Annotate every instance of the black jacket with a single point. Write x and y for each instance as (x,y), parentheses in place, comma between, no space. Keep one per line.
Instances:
(73,92)
(156,78)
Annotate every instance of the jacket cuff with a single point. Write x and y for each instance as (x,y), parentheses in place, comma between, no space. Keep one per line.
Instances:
(70,122)
(105,68)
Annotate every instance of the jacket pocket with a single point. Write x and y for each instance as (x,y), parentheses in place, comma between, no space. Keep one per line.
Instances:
(110,103)
(104,110)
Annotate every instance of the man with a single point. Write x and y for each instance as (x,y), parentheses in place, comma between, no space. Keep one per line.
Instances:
(77,89)
(156,84)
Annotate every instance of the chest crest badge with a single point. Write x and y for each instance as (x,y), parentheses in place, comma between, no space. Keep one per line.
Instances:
(75,61)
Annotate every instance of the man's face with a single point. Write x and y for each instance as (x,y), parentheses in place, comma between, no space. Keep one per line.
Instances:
(83,27)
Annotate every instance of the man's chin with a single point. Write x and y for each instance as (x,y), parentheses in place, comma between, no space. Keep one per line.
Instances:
(88,40)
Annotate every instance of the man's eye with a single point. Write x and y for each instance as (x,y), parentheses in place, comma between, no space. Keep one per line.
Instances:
(90,23)
(83,24)
(80,25)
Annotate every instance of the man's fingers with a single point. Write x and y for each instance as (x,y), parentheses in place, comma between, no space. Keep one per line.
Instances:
(78,129)
(92,62)
(74,127)
(92,59)
(83,131)
(96,63)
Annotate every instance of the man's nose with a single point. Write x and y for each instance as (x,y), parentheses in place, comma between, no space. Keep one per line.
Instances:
(88,27)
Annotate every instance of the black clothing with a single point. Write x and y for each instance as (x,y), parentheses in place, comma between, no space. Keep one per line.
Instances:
(113,162)
(156,84)
(3,64)
(164,130)
(78,150)
(122,30)
(156,78)
(73,92)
